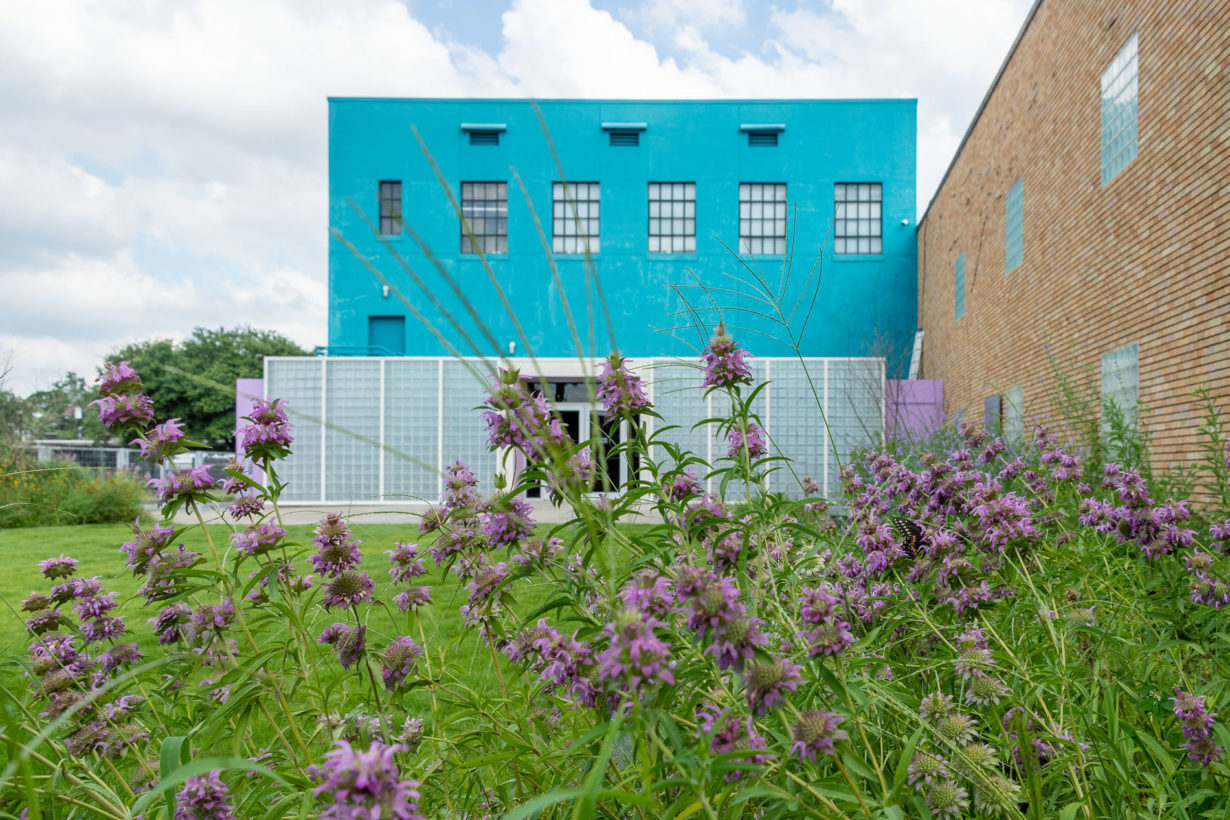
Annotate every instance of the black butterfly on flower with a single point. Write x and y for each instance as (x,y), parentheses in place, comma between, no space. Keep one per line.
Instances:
(911,536)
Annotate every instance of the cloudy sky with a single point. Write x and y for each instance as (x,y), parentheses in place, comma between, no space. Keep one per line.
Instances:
(162,162)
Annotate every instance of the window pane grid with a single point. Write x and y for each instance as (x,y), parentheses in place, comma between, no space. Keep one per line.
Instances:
(485,207)
(1119,111)
(857,218)
(762,217)
(575,217)
(672,217)
(390,207)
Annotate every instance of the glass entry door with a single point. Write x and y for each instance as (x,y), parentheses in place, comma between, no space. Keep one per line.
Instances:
(581,420)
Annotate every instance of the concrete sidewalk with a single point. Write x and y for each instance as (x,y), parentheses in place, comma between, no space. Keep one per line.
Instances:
(404,513)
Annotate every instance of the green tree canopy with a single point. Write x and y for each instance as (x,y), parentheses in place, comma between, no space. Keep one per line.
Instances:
(194,380)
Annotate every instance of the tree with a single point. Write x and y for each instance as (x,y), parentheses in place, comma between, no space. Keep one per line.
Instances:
(194,380)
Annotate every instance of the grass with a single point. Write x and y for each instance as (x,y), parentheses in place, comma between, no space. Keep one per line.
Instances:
(97,548)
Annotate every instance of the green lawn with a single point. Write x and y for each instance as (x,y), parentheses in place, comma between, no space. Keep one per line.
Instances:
(96,547)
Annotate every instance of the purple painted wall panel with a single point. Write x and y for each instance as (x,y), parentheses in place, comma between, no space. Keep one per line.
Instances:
(914,408)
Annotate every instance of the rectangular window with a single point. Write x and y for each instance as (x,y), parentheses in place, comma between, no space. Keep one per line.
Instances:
(390,207)
(958,287)
(1014,416)
(762,218)
(1119,112)
(672,217)
(1014,226)
(574,217)
(991,412)
(485,207)
(856,218)
(1120,381)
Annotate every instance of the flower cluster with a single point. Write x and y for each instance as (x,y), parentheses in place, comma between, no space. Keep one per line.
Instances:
(267,434)
(828,634)
(766,683)
(636,658)
(397,661)
(520,421)
(725,362)
(365,785)
(562,662)
(730,733)
(1197,727)
(620,392)
(182,486)
(719,617)
(348,642)
(817,732)
(162,442)
(121,404)
(1206,588)
(204,798)
(258,539)
(754,441)
(683,486)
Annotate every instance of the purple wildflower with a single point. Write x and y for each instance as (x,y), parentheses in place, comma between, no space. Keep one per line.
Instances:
(508,523)
(125,411)
(925,769)
(560,661)
(406,562)
(204,798)
(397,661)
(145,545)
(61,567)
(348,642)
(724,361)
(756,446)
(336,551)
(766,683)
(413,599)
(636,657)
(683,486)
(168,622)
(828,634)
(1197,727)
(118,378)
(366,785)
(182,485)
(246,506)
(649,592)
(257,539)
(817,732)
(731,734)
(347,589)
(161,442)
(267,433)
(619,390)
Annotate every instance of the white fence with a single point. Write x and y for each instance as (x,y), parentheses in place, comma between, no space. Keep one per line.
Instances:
(381,429)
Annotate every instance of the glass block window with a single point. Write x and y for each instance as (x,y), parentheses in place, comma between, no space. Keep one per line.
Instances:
(857,225)
(958,287)
(992,411)
(1120,384)
(485,207)
(1014,226)
(572,230)
(1014,416)
(1119,112)
(762,217)
(672,217)
(390,207)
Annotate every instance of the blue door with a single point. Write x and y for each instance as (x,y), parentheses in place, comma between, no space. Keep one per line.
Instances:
(386,335)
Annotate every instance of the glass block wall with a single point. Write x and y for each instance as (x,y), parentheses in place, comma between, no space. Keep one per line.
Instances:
(382,429)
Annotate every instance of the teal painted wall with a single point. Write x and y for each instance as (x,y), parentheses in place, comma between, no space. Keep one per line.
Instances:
(824,142)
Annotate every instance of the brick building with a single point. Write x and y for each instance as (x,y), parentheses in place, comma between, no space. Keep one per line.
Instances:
(1086,217)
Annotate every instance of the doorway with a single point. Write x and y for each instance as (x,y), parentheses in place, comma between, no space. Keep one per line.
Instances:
(582,420)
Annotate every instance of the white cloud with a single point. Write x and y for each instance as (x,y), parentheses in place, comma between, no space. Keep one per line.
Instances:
(163,162)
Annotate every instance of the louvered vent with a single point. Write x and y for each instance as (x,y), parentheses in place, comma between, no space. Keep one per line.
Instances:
(762,139)
(487,138)
(626,139)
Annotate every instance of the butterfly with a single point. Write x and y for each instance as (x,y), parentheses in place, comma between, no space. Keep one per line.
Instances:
(911,536)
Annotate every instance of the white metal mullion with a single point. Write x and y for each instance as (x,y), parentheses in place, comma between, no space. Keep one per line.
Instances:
(440,425)
(709,441)
(828,432)
(380,457)
(324,419)
(768,415)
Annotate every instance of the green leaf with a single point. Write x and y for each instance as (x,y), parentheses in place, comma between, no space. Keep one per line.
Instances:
(174,752)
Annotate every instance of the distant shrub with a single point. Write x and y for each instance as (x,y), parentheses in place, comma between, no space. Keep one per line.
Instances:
(39,494)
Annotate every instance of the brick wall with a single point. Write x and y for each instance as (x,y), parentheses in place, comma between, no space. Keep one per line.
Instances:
(1145,259)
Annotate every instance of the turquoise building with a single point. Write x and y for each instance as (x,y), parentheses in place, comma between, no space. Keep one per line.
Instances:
(668,195)
(792,221)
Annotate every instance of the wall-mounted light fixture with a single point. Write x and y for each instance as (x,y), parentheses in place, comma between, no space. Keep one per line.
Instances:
(385,290)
